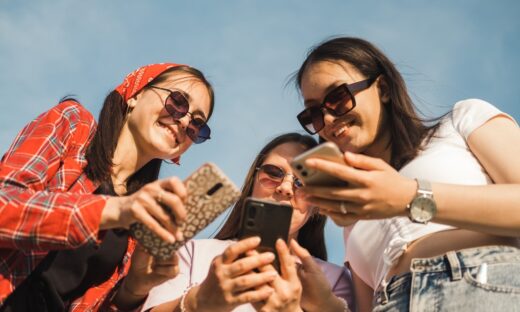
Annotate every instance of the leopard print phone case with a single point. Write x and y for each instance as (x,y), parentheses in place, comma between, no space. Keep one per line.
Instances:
(210,193)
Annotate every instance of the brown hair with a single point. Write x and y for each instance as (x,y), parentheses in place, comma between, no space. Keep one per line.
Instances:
(407,129)
(110,123)
(311,235)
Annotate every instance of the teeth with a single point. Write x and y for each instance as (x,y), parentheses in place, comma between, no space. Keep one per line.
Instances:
(169,130)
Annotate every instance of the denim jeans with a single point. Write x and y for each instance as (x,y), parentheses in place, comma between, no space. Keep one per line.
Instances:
(452,282)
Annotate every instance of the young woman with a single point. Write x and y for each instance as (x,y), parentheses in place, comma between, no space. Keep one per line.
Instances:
(68,191)
(215,277)
(431,209)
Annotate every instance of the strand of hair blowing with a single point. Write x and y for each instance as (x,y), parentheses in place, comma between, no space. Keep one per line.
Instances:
(101,150)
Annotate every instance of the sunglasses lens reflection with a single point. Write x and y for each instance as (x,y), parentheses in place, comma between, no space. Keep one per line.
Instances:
(311,119)
(177,105)
(198,131)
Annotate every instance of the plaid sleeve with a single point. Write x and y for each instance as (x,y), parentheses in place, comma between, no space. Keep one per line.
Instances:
(33,217)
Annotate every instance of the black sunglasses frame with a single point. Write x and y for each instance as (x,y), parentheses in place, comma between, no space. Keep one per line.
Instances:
(194,135)
(314,115)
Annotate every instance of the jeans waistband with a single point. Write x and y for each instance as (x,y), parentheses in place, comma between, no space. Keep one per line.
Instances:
(454,262)
(465,258)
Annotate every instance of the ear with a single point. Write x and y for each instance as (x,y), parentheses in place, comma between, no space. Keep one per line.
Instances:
(132,102)
(384,93)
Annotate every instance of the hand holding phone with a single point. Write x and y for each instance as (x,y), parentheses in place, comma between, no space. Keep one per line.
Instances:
(210,193)
(328,151)
(268,220)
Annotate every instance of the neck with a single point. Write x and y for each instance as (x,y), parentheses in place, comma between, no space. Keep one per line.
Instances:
(127,158)
(382,146)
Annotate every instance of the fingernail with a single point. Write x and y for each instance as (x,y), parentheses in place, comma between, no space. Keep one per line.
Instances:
(180,236)
(172,239)
(310,162)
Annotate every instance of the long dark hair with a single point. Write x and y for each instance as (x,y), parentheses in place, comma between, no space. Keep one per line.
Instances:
(311,235)
(110,123)
(407,129)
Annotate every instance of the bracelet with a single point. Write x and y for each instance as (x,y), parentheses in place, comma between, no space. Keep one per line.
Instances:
(184,295)
(345,304)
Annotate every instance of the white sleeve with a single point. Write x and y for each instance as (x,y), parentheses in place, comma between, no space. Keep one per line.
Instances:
(174,288)
(470,114)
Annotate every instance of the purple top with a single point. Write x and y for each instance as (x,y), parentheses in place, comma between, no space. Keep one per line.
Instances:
(195,260)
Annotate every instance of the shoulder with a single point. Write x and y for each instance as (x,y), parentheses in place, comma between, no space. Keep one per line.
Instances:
(73,111)
(467,115)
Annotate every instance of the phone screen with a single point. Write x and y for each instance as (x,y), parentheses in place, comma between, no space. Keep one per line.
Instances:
(268,220)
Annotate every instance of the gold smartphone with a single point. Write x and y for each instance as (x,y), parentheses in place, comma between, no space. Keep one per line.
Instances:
(210,193)
(328,151)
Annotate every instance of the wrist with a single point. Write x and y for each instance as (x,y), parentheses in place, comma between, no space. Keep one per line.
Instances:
(126,299)
(128,286)
(189,300)
(409,192)
(111,214)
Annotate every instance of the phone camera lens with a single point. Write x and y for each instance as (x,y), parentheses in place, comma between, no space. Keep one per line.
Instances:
(299,167)
(304,173)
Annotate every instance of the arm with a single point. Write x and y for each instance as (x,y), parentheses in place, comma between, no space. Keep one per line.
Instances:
(489,208)
(145,273)
(33,218)
(372,191)
(364,294)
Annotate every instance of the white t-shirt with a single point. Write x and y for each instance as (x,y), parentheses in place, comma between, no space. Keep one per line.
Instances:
(372,247)
(195,260)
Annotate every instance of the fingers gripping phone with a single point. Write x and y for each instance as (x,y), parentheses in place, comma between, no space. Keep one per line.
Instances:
(210,193)
(312,177)
(268,220)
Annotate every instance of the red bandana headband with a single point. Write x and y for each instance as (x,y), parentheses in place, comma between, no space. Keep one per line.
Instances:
(139,78)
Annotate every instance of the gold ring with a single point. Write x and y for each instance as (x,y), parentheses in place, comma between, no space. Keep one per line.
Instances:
(160,196)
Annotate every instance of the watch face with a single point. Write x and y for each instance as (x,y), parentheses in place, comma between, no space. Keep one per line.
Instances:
(422,209)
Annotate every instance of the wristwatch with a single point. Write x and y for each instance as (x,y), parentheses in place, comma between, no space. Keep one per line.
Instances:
(422,208)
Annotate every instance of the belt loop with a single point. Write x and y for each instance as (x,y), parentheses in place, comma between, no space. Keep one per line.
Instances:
(384,300)
(456,272)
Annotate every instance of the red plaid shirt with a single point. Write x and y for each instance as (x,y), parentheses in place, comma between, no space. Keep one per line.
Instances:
(46,200)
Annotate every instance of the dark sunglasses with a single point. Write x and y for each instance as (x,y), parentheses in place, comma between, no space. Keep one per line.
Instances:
(178,106)
(337,102)
(271,176)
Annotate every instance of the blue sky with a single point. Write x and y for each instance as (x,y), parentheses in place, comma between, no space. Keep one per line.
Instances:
(446,51)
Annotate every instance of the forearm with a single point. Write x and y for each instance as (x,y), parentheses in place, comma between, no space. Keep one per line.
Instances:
(493,209)
(128,300)
(41,220)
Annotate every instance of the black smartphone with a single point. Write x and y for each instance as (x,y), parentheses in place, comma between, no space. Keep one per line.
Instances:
(267,219)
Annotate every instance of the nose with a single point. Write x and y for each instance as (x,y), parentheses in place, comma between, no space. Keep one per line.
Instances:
(286,187)
(185,120)
(328,118)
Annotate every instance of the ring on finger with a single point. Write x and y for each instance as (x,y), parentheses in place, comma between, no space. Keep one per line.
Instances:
(343,207)
(160,197)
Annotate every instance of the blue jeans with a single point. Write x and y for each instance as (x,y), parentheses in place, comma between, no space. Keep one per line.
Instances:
(451,283)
